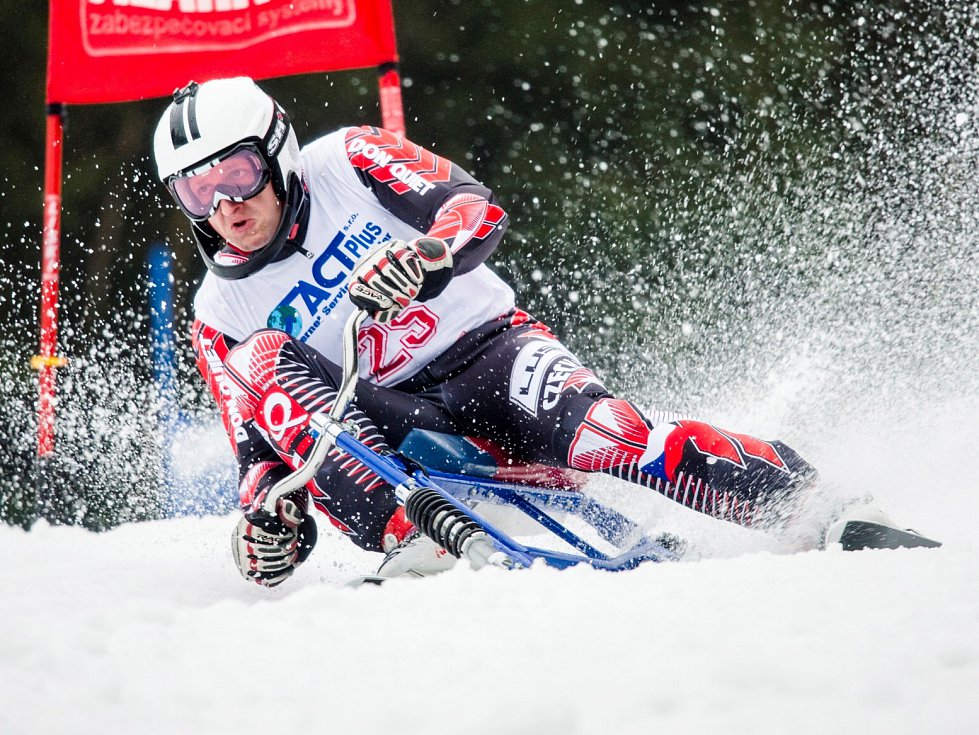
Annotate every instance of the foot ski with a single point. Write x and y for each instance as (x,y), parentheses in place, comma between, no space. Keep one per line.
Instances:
(367,579)
(859,535)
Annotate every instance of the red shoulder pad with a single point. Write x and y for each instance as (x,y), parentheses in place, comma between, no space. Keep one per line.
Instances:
(395,161)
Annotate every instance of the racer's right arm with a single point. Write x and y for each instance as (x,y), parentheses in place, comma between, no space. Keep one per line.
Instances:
(267,549)
(259,466)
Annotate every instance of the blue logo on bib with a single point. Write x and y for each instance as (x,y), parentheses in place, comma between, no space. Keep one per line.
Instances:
(286,319)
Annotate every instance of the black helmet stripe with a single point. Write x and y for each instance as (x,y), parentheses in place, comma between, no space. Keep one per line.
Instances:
(181,131)
(178,134)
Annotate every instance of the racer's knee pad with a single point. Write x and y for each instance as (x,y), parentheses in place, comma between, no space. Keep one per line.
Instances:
(613,432)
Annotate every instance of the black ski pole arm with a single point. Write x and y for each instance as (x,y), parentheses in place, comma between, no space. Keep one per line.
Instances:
(351,365)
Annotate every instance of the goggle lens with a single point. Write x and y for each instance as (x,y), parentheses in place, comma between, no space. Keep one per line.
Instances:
(238,177)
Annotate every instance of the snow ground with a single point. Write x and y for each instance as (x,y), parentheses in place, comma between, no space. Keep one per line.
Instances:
(149,629)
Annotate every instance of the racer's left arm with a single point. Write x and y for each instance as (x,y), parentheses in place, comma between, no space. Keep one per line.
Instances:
(428,192)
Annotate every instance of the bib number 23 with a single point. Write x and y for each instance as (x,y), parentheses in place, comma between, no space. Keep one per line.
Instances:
(389,347)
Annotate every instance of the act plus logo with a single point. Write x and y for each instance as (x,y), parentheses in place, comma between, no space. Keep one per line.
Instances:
(313,298)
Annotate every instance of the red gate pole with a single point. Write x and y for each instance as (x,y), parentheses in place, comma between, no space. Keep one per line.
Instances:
(392,111)
(47,361)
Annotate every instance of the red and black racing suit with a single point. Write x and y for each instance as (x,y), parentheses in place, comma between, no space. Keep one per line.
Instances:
(509,380)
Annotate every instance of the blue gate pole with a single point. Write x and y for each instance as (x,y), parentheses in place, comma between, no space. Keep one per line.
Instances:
(160,298)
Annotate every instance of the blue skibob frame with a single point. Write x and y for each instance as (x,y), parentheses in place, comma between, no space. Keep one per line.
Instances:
(460,489)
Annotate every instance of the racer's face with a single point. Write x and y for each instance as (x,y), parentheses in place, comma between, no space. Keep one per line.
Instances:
(248,225)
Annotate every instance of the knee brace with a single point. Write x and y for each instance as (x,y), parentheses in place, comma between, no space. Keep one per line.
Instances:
(613,432)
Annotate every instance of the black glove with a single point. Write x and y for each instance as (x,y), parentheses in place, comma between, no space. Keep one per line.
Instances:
(398,273)
(267,549)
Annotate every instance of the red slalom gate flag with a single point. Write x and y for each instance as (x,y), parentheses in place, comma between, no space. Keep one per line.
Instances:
(119,50)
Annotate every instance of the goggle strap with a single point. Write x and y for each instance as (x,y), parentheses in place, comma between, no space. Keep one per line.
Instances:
(275,136)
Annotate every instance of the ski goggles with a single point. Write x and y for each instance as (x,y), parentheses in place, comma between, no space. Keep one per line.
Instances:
(237,177)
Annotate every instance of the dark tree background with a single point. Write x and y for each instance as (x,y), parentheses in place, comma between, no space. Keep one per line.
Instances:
(621,137)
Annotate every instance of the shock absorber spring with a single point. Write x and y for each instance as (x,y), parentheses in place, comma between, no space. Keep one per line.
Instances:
(440,520)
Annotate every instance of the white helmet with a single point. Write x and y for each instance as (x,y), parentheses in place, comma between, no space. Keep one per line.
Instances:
(208,122)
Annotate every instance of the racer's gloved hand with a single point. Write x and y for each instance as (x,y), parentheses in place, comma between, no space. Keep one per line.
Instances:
(266,548)
(398,273)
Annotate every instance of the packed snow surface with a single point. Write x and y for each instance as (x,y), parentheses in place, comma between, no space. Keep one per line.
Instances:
(149,629)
